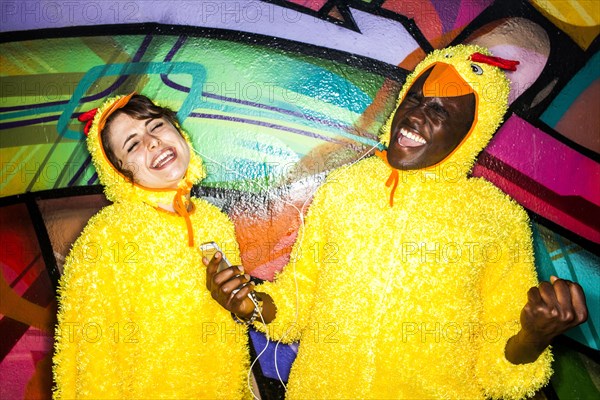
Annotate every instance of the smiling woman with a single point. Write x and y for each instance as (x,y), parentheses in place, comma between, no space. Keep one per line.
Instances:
(135,320)
(142,142)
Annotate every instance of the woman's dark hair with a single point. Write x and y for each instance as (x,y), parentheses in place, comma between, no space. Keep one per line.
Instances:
(139,107)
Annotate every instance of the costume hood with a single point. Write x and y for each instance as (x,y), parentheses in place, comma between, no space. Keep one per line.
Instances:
(118,188)
(458,73)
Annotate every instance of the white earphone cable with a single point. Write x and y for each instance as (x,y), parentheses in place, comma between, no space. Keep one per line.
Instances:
(298,241)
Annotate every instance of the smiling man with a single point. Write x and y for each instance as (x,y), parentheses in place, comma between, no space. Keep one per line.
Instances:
(410,279)
(434,118)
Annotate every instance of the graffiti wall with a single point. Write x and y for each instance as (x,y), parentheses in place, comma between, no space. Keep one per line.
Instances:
(275,94)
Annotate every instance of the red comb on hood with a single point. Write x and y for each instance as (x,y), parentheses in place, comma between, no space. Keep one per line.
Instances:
(88,117)
(509,65)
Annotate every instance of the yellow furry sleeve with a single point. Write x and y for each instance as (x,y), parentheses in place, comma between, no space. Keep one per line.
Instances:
(504,284)
(90,327)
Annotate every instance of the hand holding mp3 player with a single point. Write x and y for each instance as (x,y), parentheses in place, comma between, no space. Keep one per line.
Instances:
(209,249)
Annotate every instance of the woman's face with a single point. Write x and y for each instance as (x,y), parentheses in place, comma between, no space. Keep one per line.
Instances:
(152,149)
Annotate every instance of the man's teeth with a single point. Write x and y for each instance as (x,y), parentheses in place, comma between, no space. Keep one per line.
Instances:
(412,136)
(162,158)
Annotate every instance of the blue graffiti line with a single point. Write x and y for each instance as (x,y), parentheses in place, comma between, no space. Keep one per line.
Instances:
(79,172)
(318,118)
(576,86)
(363,140)
(137,56)
(178,44)
(589,328)
(57,105)
(192,101)
(93,178)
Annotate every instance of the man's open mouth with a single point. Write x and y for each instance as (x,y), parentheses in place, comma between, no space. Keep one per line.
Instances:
(409,138)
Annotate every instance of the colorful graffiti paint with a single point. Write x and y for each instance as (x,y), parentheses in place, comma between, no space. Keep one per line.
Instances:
(274,95)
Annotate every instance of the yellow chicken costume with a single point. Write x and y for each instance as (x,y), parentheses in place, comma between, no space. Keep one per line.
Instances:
(418,299)
(136,320)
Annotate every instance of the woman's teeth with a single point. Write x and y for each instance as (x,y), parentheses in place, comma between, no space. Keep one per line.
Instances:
(163,158)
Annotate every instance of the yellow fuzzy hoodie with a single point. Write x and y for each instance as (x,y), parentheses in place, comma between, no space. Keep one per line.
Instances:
(136,320)
(416,300)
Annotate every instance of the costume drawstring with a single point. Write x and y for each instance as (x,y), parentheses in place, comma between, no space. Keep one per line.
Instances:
(394,177)
(180,206)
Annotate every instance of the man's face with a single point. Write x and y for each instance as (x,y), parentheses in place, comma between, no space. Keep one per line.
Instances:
(425,130)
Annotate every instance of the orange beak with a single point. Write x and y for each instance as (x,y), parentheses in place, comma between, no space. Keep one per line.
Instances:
(444,81)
